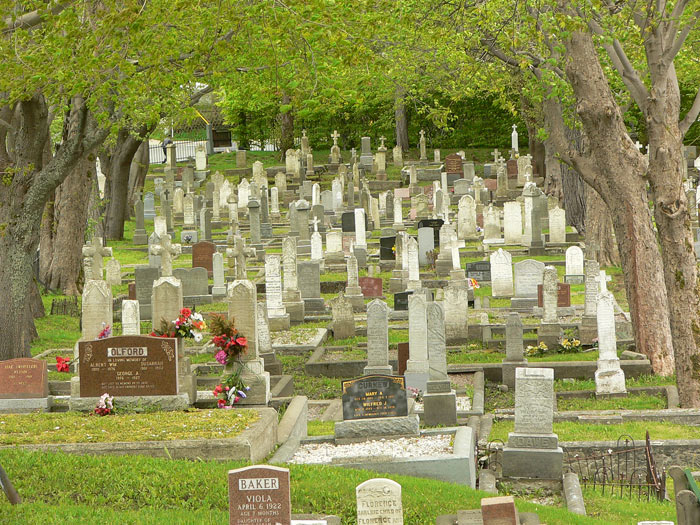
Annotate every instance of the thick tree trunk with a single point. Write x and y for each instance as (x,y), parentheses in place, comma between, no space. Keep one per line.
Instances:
(600,239)
(137,174)
(615,169)
(63,230)
(675,233)
(400,118)
(28,186)
(286,128)
(117,184)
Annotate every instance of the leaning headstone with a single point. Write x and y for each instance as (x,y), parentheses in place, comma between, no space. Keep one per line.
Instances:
(259,495)
(379,501)
(533,449)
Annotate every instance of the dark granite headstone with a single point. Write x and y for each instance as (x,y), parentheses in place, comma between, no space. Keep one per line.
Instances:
(348,221)
(259,495)
(435,224)
(371,286)
(563,295)
(453,165)
(401,301)
(132,291)
(374,396)
(386,248)
(512,168)
(128,365)
(23,378)
(480,270)
(202,253)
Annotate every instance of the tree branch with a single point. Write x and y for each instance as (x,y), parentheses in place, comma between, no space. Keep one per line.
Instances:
(31,19)
(691,116)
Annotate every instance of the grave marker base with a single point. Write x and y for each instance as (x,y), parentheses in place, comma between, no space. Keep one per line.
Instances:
(532,463)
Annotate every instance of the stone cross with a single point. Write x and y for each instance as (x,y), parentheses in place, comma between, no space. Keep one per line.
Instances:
(239,252)
(95,252)
(303,133)
(315,221)
(334,136)
(382,139)
(167,252)
(638,145)
(496,154)
(422,134)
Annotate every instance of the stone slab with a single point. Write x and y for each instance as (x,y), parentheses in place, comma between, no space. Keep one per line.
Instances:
(377,427)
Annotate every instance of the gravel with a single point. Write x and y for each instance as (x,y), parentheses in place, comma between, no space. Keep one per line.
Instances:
(401,448)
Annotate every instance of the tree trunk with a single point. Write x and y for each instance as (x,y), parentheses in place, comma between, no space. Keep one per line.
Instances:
(117,184)
(400,118)
(600,240)
(27,186)
(63,230)
(137,174)
(286,128)
(675,233)
(615,169)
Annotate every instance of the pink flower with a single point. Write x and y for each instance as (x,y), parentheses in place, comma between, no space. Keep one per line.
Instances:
(221,357)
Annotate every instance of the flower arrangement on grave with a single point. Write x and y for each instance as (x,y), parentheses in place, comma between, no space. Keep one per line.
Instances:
(62,364)
(105,405)
(231,390)
(229,342)
(187,324)
(534,351)
(231,345)
(106,331)
(474,283)
(415,394)
(569,346)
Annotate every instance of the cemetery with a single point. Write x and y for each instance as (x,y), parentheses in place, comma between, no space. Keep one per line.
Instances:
(277,322)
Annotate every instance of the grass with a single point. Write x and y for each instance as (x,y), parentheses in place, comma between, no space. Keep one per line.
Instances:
(72,427)
(496,356)
(589,384)
(321,428)
(631,402)
(311,386)
(570,431)
(60,488)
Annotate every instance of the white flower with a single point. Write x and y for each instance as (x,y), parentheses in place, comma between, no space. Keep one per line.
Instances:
(197,316)
(197,337)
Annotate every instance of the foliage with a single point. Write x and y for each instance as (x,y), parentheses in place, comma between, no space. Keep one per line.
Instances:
(226,338)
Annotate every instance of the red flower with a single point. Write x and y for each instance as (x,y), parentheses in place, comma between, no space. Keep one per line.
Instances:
(186,312)
(242,341)
(221,403)
(62,364)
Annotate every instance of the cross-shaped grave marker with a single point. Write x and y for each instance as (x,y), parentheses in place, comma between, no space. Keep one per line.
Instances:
(496,154)
(167,252)
(94,252)
(382,139)
(335,136)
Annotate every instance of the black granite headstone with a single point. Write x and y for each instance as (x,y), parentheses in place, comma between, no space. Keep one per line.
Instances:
(480,270)
(401,301)
(348,221)
(374,396)
(386,248)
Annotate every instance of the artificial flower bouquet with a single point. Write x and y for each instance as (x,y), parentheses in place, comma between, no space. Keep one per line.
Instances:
(187,324)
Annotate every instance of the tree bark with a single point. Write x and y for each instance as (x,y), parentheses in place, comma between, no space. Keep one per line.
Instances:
(117,170)
(26,187)
(286,128)
(400,118)
(673,223)
(600,239)
(137,174)
(63,230)
(615,169)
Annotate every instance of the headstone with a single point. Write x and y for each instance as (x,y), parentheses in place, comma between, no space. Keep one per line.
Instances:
(501,274)
(379,501)
(514,349)
(371,286)
(96,308)
(512,223)
(128,365)
(609,377)
(498,511)
(131,318)
(378,339)
(574,266)
(533,449)
(480,271)
(557,226)
(277,314)
(309,278)
(417,366)
(241,161)
(527,276)
(456,315)
(149,206)
(343,317)
(22,378)
(259,495)
(202,254)
(426,244)
(113,272)
(219,288)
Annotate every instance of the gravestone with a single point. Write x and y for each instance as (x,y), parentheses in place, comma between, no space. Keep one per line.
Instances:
(128,365)
(131,318)
(371,286)
(426,245)
(96,309)
(588,330)
(374,396)
(514,349)
(202,253)
(144,277)
(440,400)
(277,314)
(309,278)
(549,332)
(456,315)
(512,223)
(378,339)
(480,270)
(499,511)
(453,168)
(343,317)
(140,236)
(574,266)
(387,248)
(379,501)
(563,295)
(557,225)
(609,377)
(533,449)
(401,301)
(24,386)
(259,495)
(436,225)
(149,206)
(417,367)
(527,275)
(194,283)
(501,274)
